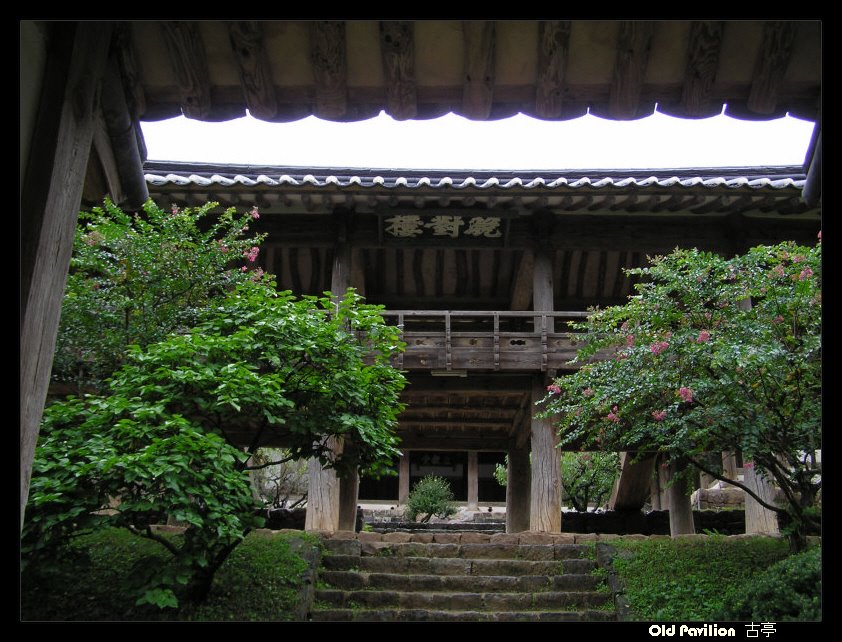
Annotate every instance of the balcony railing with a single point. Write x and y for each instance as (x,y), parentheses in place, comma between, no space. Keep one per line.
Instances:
(452,341)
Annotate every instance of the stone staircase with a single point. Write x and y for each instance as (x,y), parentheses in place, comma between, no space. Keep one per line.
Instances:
(459,577)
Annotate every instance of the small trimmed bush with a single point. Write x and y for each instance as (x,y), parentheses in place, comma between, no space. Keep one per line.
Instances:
(790,590)
(430,496)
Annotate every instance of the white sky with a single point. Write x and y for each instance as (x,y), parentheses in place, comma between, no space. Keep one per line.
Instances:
(453,142)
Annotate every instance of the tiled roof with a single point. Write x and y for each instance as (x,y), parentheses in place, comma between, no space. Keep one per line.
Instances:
(768,190)
(161,174)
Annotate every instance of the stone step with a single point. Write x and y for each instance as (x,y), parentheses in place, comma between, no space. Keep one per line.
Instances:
(469,601)
(456,566)
(504,583)
(467,551)
(424,615)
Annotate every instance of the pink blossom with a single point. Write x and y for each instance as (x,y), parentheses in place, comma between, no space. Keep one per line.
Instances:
(588,392)
(624,326)
(704,337)
(708,316)
(778,319)
(222,247)
(658,347)
(748,464)
(778,270)
(686,394)
(613,416)
(820,236)
(251,254)
(254,213)
(554,389)
(257,274)
(806,273)
(668,335)
(244,269)
(797,258)
(175,209)
(630,340)
(659,415)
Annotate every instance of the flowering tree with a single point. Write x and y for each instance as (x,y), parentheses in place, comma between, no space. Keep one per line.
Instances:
(134,279)
(194,391)
(711,355)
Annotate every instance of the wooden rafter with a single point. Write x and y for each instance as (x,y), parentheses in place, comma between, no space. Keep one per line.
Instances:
(702,64)
(478,74)
(633,46)
(397,48)
(553,43)
(255,69)
(330,67)
(772,61)
(190,64)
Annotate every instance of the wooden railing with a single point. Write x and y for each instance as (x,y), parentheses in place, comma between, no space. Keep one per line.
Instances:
(450,341)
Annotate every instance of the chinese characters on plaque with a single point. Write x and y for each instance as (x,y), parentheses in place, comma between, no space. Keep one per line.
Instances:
(413,225)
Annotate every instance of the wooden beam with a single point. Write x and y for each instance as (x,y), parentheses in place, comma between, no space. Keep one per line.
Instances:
(812,192)
(476,273)
(553,44)
(330,68)
(397,48)
(190,64)
(130,69)
(772,62)
(255,68)
(50,197)
(124,142)
(633,45)
(418,271)
(478,70)
(446,441)
(521,295)
(703,51)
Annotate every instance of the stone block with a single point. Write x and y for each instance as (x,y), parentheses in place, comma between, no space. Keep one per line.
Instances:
(475,538)
(397,537)
(364,536)
(504,538)
(531,537)
(447,538)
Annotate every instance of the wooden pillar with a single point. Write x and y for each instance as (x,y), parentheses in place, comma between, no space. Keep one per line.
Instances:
(655,492)
(542,287)
(518,491)
(680,508)
(403,478)
(729,465)
(634,483)
(473,480)
(349,491)
(323,499)
(57,162)
(545,493)
(758,518)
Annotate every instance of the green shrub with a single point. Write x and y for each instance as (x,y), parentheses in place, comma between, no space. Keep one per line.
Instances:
(691,580)
(786,591)
(430,496)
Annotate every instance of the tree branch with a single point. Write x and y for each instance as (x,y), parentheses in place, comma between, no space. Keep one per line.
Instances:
(734,482)
(271,463)
(149,534)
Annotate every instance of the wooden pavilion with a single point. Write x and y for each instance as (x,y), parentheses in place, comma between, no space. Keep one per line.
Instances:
(481,268)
